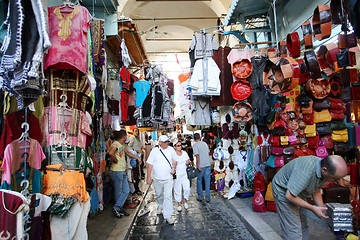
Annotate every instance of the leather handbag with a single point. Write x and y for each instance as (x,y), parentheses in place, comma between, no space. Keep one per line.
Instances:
(258,202)
(279,124)
(346,58)
(289,150)
(340,136)
(340,148)
(346,94)
(322,22)
(327,142)
(338,125)
(337,104)
(308,35)
(288,158)
(336,11)
(337,114)
(284,140)
(277,151)
(321,152)
(308,119)
(279,161)
(191,172)
(322,104)
(269,194)
(310,130)
(323,128)
(259,182)
(355,93)
(323,116)
(313,142)
(276,141)
(336,194)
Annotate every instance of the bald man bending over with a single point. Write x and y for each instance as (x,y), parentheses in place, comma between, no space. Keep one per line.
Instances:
(301,178)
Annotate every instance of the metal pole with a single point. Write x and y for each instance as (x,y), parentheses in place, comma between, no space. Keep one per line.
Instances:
(275,21)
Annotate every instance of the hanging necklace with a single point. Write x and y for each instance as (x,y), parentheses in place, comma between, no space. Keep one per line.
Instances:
(65,23)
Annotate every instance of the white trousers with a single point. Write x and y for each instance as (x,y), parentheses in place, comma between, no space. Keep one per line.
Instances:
(163,191)
(181,182)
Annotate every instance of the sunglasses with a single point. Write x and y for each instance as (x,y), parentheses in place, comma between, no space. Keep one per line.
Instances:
(178,145)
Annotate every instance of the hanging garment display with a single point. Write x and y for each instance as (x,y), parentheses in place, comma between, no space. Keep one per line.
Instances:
(74,84)
(125,79)
(203,44)
(69,38)
(125,57)
(221,58)
(98,41)
(75,123)
(21,64)
(142,88)
(200,113)
(154,74)
(205,78)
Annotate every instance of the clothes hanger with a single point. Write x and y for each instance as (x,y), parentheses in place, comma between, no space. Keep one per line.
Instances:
(24,136)
(67,7)
(63,105)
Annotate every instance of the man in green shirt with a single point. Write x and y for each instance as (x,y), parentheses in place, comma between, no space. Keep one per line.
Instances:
(118,171)
(301,178)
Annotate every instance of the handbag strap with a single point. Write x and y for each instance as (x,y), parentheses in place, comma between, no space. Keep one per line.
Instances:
(165,157)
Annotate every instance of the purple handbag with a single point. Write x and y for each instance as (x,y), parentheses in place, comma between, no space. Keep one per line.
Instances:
(279,161)
(277,151)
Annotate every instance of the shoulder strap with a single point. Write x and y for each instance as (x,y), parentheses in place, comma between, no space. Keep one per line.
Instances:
(165,157)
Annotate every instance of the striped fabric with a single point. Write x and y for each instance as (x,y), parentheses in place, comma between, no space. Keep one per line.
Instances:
(302,176)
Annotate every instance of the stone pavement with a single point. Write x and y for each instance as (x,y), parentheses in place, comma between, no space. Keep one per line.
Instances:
(266,225)
(208,221)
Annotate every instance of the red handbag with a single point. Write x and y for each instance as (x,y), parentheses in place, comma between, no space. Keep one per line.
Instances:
(259,182)
(355,93)
(308,119)
(337,114)
(276,141)
(279,124)
(313,142)
(327,142)
(258,202)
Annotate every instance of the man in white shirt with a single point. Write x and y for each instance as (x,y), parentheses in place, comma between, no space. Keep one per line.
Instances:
(161,162)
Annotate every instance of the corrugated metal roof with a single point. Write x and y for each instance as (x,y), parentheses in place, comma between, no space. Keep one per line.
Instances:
(246,8)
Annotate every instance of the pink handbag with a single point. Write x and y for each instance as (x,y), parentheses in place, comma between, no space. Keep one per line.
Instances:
(279,161)
(293,140)
(321,152)
(277,151)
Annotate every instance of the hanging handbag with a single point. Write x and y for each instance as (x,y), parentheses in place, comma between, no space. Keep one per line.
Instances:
(327,142)
(313,142)
(276,141)
(308,119)
(338,125)
(259,182)
(258,202)
(321,150)
(277,151)
(323,116)
(310,130)
(322,104)
(284,140)
(340,136)
(289,150)
(337,114)
(279,161)
(293,140)
(323,128)
(343,58)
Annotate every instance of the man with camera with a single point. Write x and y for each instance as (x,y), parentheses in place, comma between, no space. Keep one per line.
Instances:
(162,162)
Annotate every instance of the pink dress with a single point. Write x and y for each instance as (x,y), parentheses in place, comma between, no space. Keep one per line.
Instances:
(69,41)
(76,126)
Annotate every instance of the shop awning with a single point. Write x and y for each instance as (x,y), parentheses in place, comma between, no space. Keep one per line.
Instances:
(240,9)
(133,42)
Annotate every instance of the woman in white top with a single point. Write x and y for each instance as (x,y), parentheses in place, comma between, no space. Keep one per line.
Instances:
(181,181)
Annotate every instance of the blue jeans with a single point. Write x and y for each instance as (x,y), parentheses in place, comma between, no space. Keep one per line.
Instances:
(121,188)
(206,174)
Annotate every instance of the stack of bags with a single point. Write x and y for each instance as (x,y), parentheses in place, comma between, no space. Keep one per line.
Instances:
(340,217)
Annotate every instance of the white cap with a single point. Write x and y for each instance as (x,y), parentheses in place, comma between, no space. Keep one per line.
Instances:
(164,138)
(127,139)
